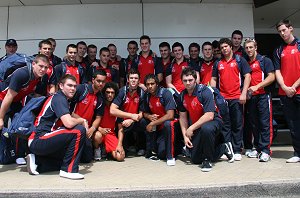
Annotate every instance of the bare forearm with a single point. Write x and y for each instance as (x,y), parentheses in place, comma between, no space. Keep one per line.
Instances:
(183,125)
(161,120)
(209,116)
(213,82)
(246,84)
(279,78)
(296,84)
(121,114)
(267,81)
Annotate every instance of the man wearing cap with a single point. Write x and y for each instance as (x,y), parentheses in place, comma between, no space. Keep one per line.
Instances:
(11,47)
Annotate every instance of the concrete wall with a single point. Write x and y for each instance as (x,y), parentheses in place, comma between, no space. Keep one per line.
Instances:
(101,24)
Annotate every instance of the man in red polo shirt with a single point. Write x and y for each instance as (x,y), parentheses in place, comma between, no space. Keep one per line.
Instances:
(89,105)
(287,66)
(106,132)
(229,72)
(128,106)
(70,66)
(259,105)
(200,123)
(159,111)
(173,72)
(112,74)
(148,63)
(207,63)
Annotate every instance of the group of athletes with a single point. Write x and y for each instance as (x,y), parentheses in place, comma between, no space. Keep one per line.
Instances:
(159,107)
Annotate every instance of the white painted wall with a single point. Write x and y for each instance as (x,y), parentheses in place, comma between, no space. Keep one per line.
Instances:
(101,24)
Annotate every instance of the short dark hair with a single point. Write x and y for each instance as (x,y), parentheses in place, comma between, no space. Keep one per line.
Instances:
(132,42)
(111,45)
(206,43)
(99,72)
(45,42)
(70,46)
(66,77)
(215,44)
(177,44)
(189,71)
(285,22)
(151,76)
(111,85)
(133,71)
(51,40)
(238,32)
(145,37)
(164,44)
(196,45)
(92,46)
(225,40)
(81,43)
(41,57)
(104,49)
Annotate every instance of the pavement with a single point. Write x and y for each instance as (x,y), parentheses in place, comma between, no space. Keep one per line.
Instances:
(139,177)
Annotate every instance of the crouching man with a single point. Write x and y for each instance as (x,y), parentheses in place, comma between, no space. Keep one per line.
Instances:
(106,131)
(200,123)
(159,113)
(60,148)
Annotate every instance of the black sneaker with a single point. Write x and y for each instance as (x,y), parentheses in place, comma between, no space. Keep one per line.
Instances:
(154,158)
(206,166)
(229,152)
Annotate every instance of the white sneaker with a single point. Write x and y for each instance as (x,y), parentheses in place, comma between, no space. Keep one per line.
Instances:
(294,159)
(253,154)
(70,175)
(171,162)
(141,152)
(21,161)
(97,154)
(237,157)
(264,157)
(31,166)
(247,151)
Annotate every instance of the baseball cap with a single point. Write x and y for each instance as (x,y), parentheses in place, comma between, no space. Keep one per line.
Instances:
(11,42)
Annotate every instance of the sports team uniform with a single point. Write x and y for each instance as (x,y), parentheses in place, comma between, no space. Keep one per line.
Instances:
(67,68)
(56,148)
(164,69)
(126,64)
(204,137)
(148,65)
(287,60)
(87,105)
(110,140)
(230,78)
(132,104)
(23,82)
(162,139)
(175,70)
(260,105)
(206,71)
(111,73)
